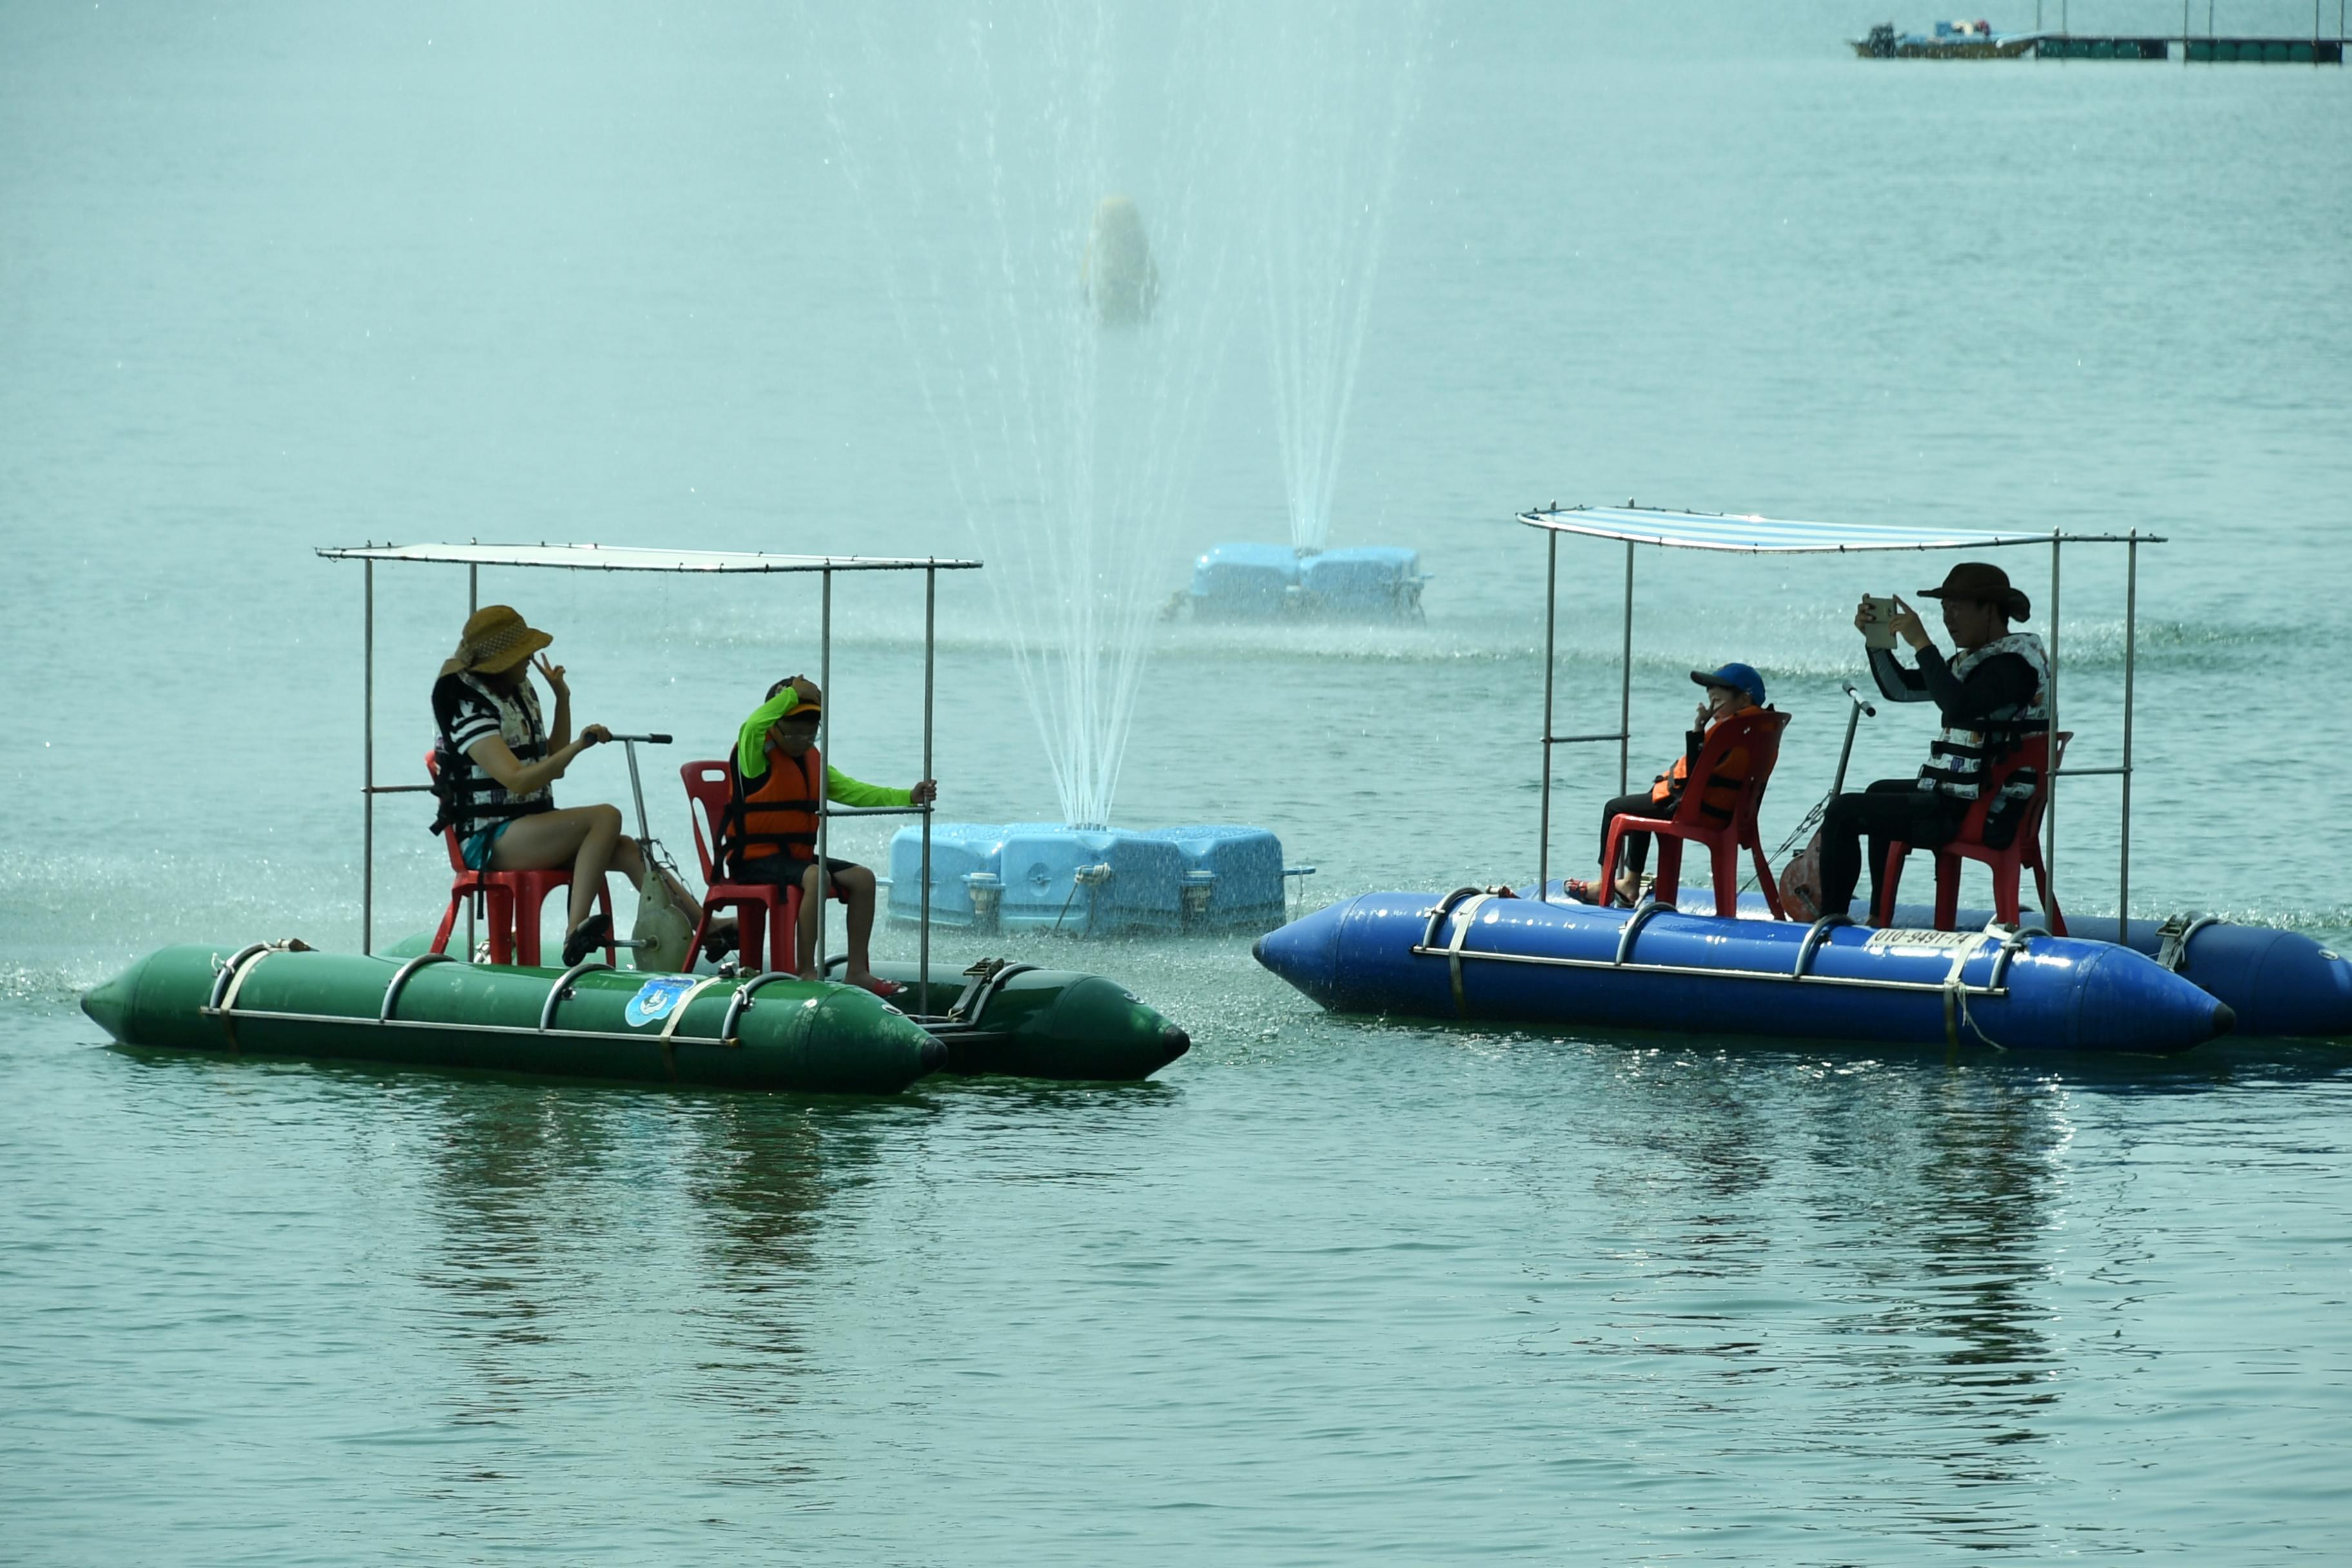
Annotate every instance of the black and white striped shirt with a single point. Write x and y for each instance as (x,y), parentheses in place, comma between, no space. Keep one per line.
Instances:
(468,710)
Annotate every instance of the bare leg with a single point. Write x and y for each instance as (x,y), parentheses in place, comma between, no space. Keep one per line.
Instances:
(811,914)
(583,834)
(858,883)
(630,862)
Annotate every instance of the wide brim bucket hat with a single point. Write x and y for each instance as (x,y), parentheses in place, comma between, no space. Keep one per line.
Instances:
(496,638)
(1984,583)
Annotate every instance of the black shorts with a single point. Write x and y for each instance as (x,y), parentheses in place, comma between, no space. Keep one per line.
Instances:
(783,871)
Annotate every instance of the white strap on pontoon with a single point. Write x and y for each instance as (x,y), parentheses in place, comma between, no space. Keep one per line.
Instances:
(1956,997)
(1464,913)
(227,1008)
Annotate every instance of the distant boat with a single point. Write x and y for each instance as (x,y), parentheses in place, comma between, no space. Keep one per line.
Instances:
(1949,41)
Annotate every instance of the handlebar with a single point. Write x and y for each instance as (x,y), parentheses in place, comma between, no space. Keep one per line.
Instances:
(664,739)
(1859,700)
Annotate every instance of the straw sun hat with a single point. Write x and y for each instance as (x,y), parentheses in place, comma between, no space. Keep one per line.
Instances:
(496,638)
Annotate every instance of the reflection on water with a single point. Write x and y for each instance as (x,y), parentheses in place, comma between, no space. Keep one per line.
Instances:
(599,1247)
(1519,1290)
(1846,1263)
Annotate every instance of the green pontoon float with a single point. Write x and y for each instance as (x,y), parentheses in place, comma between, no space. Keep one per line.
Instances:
(417,1007)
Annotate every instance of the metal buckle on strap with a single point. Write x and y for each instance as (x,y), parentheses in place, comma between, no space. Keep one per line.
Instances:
(230,979)
(987,978)
(2174,936)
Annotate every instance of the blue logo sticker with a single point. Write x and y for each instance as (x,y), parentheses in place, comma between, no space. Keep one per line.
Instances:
(654,1000)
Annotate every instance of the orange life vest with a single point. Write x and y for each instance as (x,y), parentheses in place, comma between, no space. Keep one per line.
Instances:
(778,815)
(1720,796)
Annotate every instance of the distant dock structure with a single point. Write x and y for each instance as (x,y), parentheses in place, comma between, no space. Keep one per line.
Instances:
(1980,40)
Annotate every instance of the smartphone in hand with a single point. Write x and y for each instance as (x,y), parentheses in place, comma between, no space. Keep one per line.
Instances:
(1878,628)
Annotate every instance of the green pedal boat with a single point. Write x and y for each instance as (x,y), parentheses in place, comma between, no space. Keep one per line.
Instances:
(748,1031)
(415,1006)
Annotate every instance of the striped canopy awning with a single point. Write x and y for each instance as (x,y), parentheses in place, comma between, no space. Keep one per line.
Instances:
(630,558)
(1715,531)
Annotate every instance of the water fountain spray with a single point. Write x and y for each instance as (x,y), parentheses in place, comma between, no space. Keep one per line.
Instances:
(1056,198)
(1344,78)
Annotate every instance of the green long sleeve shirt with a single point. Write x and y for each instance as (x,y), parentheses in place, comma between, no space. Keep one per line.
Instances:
(751,758)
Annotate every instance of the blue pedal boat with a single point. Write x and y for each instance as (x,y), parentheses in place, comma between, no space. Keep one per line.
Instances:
(1492,953)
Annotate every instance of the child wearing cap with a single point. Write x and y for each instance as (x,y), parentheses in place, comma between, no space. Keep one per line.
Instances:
(1733,690)
(770,832)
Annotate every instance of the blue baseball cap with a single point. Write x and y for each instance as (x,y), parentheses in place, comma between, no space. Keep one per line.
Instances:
(1739,677)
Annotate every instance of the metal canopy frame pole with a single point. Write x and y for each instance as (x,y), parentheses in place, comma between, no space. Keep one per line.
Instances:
(2057,540)
(824,766)
(473,603)
(2131,646)
(367,762)
(931,644)
(1625,687)
(2050,732)
(474,555)
(1551,641)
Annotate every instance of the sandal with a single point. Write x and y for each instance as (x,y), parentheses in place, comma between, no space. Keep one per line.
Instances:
(721,939)
(586,937)
(886,989)
(1583,892)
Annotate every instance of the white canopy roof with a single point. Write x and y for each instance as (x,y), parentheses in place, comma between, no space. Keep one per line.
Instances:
(1713,530)
(628,558)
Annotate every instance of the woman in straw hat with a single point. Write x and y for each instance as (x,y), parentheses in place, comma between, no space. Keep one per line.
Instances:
(495,760)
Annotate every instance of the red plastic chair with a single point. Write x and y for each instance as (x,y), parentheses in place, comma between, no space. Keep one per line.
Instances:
(1760,733)
(512,901)
(766,914)
(2025,850)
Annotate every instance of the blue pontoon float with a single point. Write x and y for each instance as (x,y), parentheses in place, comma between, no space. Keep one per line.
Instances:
(1092,881)
(1480,954)
(1274,582)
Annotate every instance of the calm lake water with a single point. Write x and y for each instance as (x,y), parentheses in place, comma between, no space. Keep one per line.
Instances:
(279,276)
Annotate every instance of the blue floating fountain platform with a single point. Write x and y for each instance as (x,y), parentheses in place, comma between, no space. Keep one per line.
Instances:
(1092,881)
(1269,582)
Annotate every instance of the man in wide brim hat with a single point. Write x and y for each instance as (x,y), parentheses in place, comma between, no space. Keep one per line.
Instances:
(1981,583)
(1993,693)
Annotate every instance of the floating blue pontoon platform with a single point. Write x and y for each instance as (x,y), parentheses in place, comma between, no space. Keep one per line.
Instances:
(1474,954)
(1092,881)
(1269,582)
